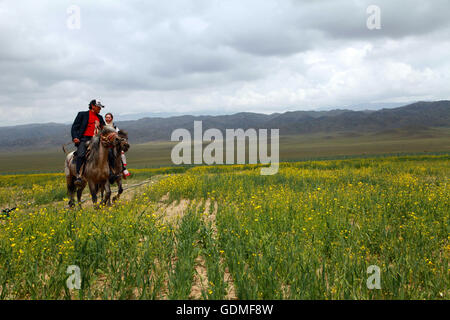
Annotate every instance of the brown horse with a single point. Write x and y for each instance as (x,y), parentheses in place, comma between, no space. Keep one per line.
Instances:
(120,145)
(96,169)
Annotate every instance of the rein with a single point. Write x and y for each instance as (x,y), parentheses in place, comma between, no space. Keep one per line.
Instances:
(109,139)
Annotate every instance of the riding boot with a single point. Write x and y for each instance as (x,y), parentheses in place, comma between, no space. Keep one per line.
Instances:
(78,181)
(125,172)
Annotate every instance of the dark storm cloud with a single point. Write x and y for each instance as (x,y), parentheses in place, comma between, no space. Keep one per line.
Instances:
(347,19)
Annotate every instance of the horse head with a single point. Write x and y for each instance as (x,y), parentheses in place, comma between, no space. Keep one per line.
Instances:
(108,137)
(122,142)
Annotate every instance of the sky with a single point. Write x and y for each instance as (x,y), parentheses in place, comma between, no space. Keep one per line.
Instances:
(217,56)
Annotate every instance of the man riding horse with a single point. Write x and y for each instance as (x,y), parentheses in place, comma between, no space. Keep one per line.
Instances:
(85,126)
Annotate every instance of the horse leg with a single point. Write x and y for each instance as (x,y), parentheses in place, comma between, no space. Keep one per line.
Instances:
(119,184)
(79,193)
(107,199)
(93,188)
(71,188)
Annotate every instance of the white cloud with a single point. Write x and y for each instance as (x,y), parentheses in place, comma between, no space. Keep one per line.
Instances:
(217,56)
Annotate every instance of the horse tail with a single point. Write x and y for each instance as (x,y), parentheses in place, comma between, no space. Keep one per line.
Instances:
(64,148)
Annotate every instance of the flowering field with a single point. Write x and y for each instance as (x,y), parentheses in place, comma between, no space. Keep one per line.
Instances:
(309,232)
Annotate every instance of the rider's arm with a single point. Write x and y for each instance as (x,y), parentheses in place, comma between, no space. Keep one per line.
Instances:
(76,127)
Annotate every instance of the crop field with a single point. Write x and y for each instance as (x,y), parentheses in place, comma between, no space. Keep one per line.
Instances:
(226,232)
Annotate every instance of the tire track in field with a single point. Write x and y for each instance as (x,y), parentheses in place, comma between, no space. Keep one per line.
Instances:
(126,195)
(173,213)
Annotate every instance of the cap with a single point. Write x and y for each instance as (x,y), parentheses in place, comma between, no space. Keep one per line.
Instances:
(96,103)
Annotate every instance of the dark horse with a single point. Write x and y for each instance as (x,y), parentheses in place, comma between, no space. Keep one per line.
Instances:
(95,171)
(120,145)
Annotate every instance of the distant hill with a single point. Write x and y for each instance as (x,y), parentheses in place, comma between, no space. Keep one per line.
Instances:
(406,119)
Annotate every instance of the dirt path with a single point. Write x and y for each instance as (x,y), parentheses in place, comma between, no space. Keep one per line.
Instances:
(129,190)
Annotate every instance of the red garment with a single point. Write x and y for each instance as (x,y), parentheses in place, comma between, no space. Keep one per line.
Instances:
(93,123)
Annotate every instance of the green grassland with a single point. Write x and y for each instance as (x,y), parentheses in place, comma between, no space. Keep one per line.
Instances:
(308,232)
(298,147)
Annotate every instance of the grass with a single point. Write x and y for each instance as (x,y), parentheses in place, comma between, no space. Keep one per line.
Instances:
(311,231)
(46,188)
(308,232)
(292,148)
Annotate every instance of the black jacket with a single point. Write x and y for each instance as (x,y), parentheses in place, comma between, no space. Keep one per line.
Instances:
(80,124)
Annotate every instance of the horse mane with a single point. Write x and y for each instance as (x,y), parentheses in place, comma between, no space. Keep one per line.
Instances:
(94,145)
(93,148)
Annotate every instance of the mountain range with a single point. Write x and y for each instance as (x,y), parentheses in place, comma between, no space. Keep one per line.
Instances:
(413,117)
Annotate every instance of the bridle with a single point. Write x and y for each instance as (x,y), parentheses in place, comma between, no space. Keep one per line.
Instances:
(123,142)
(109,139)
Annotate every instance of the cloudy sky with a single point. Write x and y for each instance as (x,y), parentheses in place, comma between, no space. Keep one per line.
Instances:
(217,56)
